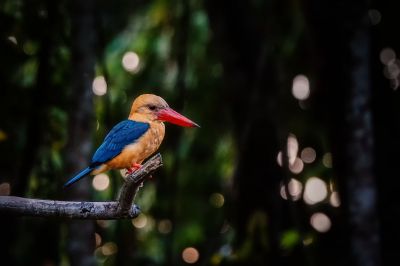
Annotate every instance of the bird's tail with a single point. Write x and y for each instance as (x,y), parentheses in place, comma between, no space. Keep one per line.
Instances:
(76,178)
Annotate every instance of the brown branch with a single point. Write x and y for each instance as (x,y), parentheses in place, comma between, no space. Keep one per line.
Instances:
(122,208)
(134,181)
(65,209)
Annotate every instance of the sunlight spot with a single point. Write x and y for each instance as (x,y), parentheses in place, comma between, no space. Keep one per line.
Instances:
(374,16)
(301,87)
(331,185)
(308,155)
(297,167)
(279,158)
(5,189)
(109,248)
(295,188)
(130,62)
(315,190)
(140,221)
(387,55)
(164,226)
(334,199)
(292,148)
(12,39)
(190,255)
(97,238)
(99,86)
(101,182)
(327,160)
(308,241)
(217,200)
(393,68)
(320,222)
(394,84)
(283,192)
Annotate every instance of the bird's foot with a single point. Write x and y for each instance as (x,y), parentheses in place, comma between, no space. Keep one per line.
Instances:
(135,167)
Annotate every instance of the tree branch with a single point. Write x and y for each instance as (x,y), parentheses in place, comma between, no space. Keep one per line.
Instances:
(134,181)
(122,208)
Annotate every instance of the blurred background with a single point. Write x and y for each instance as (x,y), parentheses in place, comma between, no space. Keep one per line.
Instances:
(296,160)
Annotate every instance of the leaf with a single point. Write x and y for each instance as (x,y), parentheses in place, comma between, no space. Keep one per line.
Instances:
(290,239)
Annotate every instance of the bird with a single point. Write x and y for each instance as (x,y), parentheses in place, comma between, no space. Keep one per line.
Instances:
(133,140)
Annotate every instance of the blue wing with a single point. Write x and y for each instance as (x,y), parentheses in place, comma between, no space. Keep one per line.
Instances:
(122,134)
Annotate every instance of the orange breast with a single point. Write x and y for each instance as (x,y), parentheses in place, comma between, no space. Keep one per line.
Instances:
(138,151)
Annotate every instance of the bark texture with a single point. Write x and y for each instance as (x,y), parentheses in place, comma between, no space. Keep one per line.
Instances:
(123,208)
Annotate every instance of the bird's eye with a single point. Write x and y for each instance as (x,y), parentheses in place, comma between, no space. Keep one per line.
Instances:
(152,107)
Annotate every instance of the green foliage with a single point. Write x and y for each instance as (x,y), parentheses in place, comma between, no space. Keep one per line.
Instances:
(190,202)
(290,239)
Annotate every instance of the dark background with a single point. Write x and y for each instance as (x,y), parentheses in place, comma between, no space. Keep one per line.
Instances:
(314,81)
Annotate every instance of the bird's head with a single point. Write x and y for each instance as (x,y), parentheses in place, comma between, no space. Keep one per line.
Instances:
(150,107)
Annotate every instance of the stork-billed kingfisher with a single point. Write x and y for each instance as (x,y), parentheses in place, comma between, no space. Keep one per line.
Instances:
(132,140)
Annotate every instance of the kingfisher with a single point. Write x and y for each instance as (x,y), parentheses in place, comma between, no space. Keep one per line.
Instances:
(133,140)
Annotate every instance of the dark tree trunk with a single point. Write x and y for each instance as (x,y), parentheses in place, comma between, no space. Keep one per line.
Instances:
(83,35)
(387,130)
(41,98)
(181,56)
(360,176)
(251,78)
(344,42)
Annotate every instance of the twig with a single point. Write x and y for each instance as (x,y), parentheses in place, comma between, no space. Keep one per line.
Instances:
(122,208)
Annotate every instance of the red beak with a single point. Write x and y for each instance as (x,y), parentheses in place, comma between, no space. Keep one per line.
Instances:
(170,115)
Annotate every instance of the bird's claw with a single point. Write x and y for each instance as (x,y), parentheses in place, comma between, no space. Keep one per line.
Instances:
(135,167)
